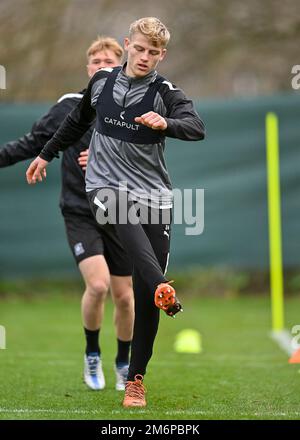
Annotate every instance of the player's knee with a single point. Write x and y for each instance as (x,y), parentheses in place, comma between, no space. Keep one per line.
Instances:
(124,298)
(125,302)
(97,289)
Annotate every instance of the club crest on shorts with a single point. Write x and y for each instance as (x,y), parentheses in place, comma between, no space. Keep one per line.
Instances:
(167,231)
(79,249)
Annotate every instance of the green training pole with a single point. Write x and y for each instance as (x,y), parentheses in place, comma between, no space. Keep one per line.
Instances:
(276,276)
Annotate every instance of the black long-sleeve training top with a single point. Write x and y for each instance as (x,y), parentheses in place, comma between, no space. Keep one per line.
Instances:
(73,195)
(119,154)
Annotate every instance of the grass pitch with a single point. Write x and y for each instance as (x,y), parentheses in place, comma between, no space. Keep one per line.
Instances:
(241,373)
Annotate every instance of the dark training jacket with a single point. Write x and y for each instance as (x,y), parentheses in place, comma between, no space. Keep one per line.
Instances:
(123,153)
(73,195)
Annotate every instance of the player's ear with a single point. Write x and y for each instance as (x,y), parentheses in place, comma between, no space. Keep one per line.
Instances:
(126,43)
(163,54)
(89,72)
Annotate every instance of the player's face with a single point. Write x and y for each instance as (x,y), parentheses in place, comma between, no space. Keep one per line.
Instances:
(103,58)
(143,56)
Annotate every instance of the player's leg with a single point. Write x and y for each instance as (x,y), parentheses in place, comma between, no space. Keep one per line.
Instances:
(146,318)
(122,296)
(95,273)
(146,313)
(120,268)
(145,327)
(87,247)
(145,250)
(132,235)
(143,244)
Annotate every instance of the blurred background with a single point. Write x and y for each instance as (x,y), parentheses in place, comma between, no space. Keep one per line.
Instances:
(218,48)
(234,59)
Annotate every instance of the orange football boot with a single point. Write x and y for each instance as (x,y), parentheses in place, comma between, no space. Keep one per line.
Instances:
(165,299)
(135,392)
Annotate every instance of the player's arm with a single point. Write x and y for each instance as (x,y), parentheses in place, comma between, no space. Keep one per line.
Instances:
(76,123)
(182,120)
(31,144)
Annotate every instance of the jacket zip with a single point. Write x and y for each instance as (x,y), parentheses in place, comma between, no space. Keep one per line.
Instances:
(124,100)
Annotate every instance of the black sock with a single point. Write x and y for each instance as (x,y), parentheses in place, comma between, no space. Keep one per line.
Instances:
(92,341)
(123,352)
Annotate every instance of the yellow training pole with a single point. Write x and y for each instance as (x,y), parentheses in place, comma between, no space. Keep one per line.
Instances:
(276,279)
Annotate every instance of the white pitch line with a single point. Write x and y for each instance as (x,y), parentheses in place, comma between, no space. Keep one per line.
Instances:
(284,340)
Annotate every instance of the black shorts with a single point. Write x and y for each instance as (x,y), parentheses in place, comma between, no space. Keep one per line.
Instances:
(87,239)
(155,222)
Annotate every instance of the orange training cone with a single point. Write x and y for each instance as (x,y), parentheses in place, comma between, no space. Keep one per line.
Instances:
(295,358)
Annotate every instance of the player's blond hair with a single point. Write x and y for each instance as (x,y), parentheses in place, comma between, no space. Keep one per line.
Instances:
(153,29)
(105,43)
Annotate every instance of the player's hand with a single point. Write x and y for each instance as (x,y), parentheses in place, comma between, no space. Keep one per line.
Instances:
(152,120)
(83,158)
(36,171)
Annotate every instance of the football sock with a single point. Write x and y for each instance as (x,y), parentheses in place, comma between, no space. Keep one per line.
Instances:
(92,341)
(123,352)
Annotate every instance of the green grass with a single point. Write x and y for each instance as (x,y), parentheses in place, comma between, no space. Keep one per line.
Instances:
(241,373)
